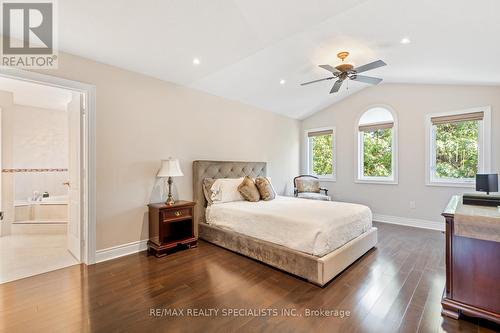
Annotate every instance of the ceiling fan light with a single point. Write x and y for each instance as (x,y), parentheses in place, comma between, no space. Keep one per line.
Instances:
(346,71)
(342,55)
(344,67)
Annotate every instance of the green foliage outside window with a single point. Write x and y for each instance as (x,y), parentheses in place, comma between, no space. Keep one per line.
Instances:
(457,149)
(322,155)
(377,153)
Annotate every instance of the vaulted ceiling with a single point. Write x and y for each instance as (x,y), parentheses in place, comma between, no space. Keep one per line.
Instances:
(246,47)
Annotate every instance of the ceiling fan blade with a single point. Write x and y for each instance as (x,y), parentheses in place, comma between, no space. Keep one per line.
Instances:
(336,86)
(330,68)
(367,79)
(370,66)
(306,83)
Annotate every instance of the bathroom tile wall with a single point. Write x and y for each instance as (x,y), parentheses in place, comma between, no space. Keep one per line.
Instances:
(38,139)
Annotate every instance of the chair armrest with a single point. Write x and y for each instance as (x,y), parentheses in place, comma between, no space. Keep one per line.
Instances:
(324,189)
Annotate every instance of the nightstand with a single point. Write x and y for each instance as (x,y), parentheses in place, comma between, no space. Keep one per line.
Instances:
(171,227)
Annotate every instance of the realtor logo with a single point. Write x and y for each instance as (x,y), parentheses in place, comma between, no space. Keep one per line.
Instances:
(28,31)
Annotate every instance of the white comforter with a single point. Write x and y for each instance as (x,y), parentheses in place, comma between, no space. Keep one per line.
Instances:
(311,226)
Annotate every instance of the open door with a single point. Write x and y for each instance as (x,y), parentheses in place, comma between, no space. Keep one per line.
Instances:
(75,112)
(1,175)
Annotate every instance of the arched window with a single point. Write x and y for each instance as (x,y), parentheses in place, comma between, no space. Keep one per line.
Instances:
(377,146)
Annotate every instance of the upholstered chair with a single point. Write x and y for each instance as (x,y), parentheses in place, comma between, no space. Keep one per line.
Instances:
(308,187)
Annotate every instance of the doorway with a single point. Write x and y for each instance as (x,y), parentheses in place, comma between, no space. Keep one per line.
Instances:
(45,198)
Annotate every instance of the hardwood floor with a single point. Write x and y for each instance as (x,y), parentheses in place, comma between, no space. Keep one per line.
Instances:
(394,288)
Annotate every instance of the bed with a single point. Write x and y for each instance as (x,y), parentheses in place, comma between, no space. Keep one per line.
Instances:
(316,240)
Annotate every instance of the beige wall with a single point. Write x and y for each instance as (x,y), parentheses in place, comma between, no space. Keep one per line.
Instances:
(411,103)
(141,120)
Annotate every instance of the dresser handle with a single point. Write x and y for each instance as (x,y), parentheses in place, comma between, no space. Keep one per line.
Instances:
(177,213)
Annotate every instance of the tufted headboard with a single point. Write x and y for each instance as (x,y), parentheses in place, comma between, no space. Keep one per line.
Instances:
(219,169)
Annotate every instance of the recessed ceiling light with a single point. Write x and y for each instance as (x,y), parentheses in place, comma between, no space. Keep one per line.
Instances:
(405,40)
(196,61)
(282,81)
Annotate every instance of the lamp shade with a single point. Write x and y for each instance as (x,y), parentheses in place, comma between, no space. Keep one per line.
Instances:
(170,168)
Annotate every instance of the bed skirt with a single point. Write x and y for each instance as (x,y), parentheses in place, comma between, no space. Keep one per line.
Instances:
(317,270)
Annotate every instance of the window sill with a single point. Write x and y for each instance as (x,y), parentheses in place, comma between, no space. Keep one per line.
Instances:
(374,181)
(451,184)
(328,179)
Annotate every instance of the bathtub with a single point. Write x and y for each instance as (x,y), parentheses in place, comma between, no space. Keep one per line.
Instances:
(48,210)
(55,200)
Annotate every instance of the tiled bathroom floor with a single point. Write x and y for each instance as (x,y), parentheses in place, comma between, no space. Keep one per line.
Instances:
(26,255)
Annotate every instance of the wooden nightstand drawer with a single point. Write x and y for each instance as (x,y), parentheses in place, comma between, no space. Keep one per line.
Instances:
(181,213)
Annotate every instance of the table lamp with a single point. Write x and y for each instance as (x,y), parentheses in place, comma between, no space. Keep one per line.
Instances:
(170,168)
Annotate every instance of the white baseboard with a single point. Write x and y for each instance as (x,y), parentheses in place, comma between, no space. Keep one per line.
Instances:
(120,250)
(417,223)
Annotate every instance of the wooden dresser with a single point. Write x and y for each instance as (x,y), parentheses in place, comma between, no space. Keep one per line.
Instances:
(472,261)
(171,227)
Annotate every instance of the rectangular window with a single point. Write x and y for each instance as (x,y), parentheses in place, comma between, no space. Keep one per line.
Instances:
(377,153)
(458,150)
(320,153)
(376,146)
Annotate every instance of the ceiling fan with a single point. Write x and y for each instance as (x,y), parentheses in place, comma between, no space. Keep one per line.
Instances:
(347,71)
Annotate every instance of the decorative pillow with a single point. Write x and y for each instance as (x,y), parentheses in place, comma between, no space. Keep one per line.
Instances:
(308,185)
(226,190)
(248,190)
(207,189)
(265,188)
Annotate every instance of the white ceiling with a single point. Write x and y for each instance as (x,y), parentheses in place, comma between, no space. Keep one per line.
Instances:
(36,95)
(247,46)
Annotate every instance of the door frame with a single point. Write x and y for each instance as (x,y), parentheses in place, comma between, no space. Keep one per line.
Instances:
(88,199)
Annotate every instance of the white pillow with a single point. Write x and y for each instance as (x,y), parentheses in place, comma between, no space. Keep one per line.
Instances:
(272,186)
(226,190)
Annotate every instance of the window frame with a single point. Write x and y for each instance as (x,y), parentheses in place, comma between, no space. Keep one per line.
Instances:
(484,149)
(308,150)
(359,146)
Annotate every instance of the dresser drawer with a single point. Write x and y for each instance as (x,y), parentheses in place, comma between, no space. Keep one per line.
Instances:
(174,214)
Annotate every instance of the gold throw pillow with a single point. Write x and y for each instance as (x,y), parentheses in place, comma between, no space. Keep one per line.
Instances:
(207,189)
(248,190)
(266,190)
